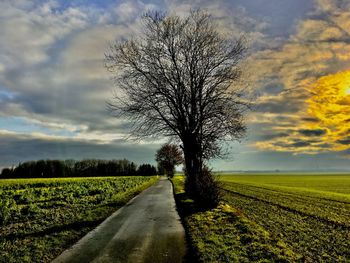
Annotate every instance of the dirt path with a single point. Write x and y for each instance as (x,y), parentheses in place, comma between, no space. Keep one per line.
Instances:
(147,229)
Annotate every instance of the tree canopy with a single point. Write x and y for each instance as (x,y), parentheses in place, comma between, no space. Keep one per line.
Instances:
(168,156)
(178,79)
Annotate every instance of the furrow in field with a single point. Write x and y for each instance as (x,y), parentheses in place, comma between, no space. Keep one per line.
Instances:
(300,192)
(317,240)
(289,209)
(333,212)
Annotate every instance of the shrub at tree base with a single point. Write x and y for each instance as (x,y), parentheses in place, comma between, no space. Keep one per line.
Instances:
(205,190)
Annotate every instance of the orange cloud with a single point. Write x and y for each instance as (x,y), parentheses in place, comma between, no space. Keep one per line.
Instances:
(313,69)
(330,104)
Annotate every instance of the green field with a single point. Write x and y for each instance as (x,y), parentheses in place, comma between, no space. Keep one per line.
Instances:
(39,218)
(274,218)
(310,213)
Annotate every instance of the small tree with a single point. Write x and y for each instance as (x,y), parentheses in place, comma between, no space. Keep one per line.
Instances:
(160,170)
(168,156)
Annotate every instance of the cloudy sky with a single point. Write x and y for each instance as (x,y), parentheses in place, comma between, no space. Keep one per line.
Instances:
(54,88)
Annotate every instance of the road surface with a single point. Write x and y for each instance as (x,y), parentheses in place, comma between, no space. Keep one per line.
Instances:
(146,229)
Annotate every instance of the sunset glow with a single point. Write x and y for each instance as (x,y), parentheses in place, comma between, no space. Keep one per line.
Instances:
(323,122)
(347,91)
(330,105)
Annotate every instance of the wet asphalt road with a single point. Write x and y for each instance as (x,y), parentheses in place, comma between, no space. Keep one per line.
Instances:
(147,229)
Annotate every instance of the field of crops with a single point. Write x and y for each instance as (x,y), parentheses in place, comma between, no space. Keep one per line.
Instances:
(309,213)
(39,218)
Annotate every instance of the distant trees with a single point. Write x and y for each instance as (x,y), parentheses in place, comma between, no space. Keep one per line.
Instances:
(71,168)
(6,173)
(167,157)
(179,79)
(146,170)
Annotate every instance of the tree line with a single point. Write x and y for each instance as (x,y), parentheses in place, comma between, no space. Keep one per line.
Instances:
(73,168)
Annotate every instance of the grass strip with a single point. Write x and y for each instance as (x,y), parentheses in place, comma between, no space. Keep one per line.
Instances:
(224,234)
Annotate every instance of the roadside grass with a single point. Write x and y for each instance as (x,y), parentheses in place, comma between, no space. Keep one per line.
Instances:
(40,218)
(224,234)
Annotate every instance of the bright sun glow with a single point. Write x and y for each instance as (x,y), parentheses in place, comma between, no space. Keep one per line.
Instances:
(330,105)
(347,91)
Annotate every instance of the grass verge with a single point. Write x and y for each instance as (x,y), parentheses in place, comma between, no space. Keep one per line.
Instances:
(223,234)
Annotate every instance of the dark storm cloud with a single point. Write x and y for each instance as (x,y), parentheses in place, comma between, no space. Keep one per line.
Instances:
(310,119)
(292,145)
(282,103)
(277,107)
(296,143)
(313,132)
(281,15)
(300,144)
(19,148)
(271,136)
(272,88)
(345,141)
(272,160)
(324,145)
(78,103)
(35,102)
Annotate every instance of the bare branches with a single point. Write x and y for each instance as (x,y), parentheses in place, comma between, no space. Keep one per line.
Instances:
(178,80)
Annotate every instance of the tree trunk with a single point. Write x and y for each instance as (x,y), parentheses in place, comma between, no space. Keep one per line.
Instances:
(193,165)
(170,173)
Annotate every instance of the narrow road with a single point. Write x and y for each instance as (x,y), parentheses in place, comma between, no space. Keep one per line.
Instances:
(146,229)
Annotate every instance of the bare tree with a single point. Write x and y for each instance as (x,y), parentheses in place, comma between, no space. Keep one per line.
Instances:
(168,156)
(177,80)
